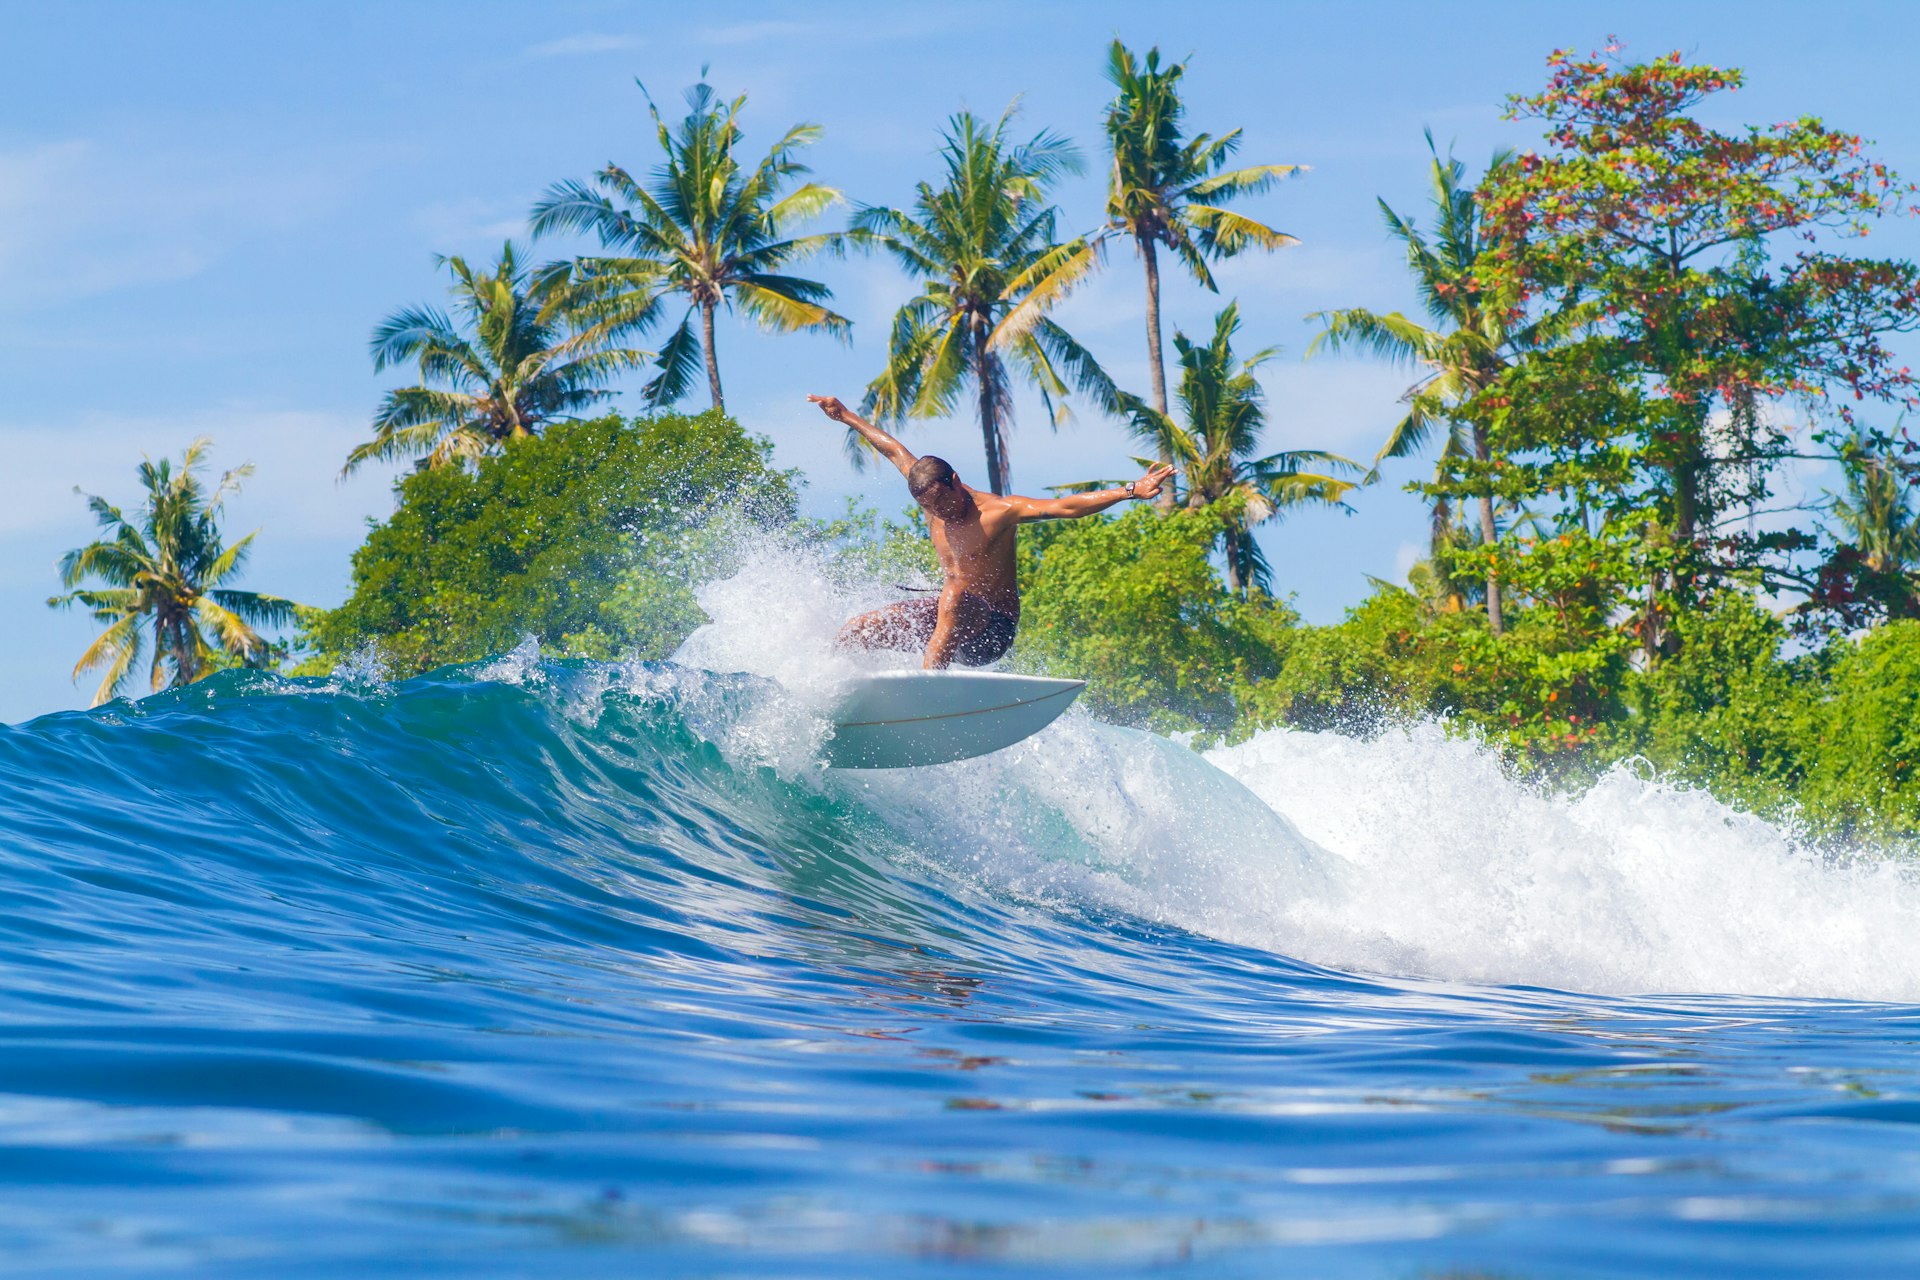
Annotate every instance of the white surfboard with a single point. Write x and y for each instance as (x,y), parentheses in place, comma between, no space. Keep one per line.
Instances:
(899,719)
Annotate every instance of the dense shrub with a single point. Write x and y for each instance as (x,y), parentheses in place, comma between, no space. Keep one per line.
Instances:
(589,538)
(1728,711)
(1134,605)
(1866,744)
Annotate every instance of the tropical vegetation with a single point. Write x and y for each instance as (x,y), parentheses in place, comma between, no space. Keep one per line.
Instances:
(591,537)
(1225,411)
(706,229)
(1166,189)
(1474,342)
(1626,336)
(525,354)
(161,583)
(988,267)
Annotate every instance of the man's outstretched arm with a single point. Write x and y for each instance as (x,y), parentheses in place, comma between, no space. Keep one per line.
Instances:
(885,445)
(1076,505)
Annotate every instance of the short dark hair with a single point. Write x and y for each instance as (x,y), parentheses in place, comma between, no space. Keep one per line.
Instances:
(928,473)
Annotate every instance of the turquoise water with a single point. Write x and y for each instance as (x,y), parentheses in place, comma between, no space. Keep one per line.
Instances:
(561,970)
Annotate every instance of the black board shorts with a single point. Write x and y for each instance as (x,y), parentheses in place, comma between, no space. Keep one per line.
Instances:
(988,632)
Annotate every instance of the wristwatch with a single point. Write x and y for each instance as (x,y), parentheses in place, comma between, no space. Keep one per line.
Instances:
(1129,488)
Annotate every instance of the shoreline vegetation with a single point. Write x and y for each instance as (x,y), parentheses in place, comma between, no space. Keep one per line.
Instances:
(1626,337)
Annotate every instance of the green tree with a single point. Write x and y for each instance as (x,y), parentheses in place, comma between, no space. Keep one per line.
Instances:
(1728,712)
(1870,570)
(165,569)
(527,355)
(1470,341)
(1133,605)
(1862,764)
(705,228)
(1876,511)
(1707,259)
(1225,412)
(590,537)
(982,248)
(1165,189)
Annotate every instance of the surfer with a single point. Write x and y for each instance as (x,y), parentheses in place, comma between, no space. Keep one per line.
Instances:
(978,610)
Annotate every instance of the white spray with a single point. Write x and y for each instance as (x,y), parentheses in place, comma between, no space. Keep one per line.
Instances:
(1414,852)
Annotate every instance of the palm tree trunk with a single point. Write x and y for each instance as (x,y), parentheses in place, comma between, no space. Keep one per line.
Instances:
(1488,533)
(713,358)
(1494,622)
(1235,582)
(186,664)
(989,413)
(1156,362)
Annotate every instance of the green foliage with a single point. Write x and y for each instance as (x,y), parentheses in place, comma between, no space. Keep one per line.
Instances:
(164,570)
(1693,263)
(590,538)
(707,228)
(1729,712)
(1860,775)
(1165,189)
(1225,410)
(982,251)
(1134,606)
(528,350)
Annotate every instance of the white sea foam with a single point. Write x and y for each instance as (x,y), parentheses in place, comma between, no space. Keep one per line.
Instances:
(1634,885)
(1414,852)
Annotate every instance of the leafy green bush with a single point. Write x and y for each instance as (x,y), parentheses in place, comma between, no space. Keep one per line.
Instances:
(1541,689)
(589,537)
(1134,606)
(1727,712)
(1866,746)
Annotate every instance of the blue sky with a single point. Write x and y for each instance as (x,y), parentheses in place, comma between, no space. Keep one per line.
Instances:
(204,210)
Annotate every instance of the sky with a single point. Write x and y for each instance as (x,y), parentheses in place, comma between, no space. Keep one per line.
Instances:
(205,209)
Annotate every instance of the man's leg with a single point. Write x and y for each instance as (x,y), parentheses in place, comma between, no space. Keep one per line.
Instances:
(960,618)
(907,626)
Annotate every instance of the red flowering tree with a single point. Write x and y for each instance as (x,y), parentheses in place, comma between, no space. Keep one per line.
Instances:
(1715,309)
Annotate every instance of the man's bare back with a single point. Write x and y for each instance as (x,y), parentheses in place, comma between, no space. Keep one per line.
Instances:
(975,533)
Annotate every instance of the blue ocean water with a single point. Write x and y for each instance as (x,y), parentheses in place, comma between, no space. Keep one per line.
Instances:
(557,969)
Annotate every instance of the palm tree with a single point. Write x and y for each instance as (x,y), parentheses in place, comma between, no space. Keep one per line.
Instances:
(536,345)
(1225,413)
(1876,511)
(982,248)
(1465,350)
(706,228)
(165,567)
(1165,190)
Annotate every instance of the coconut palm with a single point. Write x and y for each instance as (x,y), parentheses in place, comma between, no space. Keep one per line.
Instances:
(1876,511)
(1167,190)
(1464,350)
(166,568)
(531,346)
(708,229)
(1225,412)
(982,249)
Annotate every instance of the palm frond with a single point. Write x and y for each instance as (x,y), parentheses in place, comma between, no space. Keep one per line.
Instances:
(678,364)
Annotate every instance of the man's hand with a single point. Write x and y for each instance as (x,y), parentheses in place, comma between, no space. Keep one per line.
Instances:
(883,444)
(1148,486)
(831,406)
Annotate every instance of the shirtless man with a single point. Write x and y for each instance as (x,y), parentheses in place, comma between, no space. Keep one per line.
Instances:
(974,619)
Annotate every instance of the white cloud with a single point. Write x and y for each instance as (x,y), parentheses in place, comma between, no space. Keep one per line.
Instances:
(587,42)
(753,32)
(293,491)
(79,218)
(471,224)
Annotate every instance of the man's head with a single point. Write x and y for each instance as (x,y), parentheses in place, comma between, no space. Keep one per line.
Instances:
(935,487)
